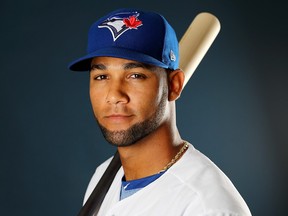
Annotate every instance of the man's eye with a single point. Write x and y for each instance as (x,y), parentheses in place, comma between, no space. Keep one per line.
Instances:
(138,76)
(100,77)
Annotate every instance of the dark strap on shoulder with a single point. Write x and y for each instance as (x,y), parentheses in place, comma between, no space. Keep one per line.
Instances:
(96,198)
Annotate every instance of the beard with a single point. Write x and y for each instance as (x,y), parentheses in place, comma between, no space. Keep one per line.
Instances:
(138,131)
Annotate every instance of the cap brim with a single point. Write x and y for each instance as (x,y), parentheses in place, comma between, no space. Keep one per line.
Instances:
(84,63)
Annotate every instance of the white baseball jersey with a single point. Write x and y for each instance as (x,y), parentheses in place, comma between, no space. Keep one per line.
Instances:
(194,186)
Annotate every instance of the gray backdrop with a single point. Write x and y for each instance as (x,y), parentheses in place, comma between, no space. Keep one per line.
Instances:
(234,108)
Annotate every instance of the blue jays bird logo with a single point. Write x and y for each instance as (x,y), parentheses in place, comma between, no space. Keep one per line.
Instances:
(121,22)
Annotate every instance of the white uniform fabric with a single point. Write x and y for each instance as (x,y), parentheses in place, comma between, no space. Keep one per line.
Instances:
(194,186)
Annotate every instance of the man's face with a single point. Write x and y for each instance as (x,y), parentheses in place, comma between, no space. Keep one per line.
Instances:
(128,98)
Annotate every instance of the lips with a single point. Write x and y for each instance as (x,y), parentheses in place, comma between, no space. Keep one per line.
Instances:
(118,118)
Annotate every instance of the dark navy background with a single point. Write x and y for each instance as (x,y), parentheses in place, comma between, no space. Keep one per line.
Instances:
(234,108)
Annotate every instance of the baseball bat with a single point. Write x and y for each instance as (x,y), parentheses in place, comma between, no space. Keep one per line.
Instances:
(196,41)
(192,47)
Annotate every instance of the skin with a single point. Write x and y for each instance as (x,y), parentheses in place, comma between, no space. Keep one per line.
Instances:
(128,96)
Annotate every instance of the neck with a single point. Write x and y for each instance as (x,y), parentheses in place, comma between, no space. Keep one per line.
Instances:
(151,154)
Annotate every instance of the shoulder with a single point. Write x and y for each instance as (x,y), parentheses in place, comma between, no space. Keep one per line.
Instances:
(214,190)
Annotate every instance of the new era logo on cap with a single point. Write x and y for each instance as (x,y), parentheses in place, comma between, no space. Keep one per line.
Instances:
(121,22)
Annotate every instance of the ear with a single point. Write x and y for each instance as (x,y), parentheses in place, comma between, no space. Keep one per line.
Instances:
(175,82)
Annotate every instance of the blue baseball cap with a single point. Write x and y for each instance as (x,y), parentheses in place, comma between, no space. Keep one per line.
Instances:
(132,34)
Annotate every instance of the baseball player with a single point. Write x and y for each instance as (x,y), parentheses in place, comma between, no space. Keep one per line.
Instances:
(135,80)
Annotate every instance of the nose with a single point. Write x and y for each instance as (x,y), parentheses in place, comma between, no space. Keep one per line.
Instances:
(117,94)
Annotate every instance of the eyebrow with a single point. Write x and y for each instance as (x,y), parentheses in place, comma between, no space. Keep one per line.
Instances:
(97,67)
(132,65)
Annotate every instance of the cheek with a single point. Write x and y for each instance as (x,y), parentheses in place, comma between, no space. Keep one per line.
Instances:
(156,95)
(148,102)
(95,101)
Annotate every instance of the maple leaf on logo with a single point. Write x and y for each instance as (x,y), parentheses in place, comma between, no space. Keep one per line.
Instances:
(132,22)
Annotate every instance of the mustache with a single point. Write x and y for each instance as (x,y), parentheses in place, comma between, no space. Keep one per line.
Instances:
(117,110)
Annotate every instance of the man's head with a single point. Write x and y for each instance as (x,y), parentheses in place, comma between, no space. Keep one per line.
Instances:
(133,59)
